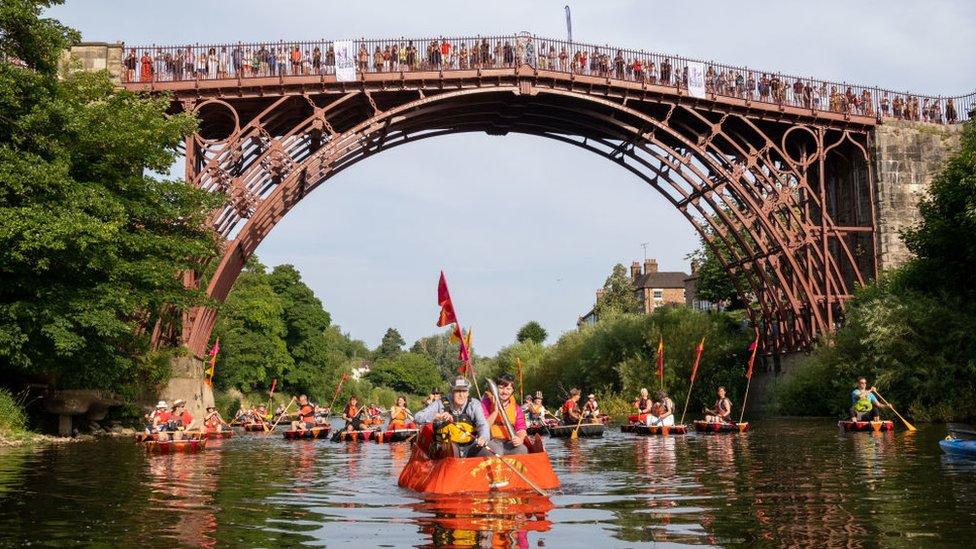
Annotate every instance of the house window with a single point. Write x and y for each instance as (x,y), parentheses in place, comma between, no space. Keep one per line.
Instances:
(658,295)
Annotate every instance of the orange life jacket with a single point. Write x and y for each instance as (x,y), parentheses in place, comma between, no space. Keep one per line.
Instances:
(307,412)
(498,429)
(399,415)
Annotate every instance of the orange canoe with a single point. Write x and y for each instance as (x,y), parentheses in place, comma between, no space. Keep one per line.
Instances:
(478,474)
(172,446)
(712,427)
(864,426)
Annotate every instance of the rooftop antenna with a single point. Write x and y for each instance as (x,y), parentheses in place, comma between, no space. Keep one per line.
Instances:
(644,245)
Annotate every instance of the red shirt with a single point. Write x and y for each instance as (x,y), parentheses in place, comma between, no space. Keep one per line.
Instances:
(184,418)
(162,417)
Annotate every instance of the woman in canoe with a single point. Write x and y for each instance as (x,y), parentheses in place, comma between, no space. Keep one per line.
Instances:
(353,414)
(399,414)
(156,420)
(722,412)
(591,409)
(662,411)
(536,412)
(864,405)
(643,403)
(504,441)
(212,422)
(571,409)
(459,424)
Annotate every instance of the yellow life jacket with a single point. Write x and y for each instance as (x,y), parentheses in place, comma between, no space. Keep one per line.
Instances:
(498,430)
(458,432)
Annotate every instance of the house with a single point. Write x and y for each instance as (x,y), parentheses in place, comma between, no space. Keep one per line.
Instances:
(653,289)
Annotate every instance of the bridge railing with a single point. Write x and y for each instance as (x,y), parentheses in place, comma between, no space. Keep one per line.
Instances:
(282,59)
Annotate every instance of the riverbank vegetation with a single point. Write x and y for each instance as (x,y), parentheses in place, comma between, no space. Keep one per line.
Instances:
(912,331)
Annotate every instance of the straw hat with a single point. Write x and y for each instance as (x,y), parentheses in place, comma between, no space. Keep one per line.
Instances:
(161,404)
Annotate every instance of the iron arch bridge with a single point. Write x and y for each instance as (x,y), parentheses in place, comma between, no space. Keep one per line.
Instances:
(779,183)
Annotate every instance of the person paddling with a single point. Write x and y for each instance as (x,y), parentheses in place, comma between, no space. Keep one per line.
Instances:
(502,440)
(643,403)
(662,412)
(459,423)
(571,410)
(722,412)
(306,415)
(353,415)
(212,421)
(537,412)
(864,404)
(591,409)
(399,413)
(179,419)
(156,420)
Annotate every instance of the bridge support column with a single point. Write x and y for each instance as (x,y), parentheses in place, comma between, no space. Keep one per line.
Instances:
(186,382)
(907,156)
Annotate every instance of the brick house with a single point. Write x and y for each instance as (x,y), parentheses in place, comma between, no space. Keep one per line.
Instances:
(653,289)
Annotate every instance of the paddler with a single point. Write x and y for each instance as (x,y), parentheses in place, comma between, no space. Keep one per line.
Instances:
(591,409)
(571,410)
(212,421)
(722,412)
(435,396)
(458,422)
(662,412)
(864,405)
(536,411)
(179,419)
(157,418)
(644,405)
(505,441)
(399,413)
(306,415)
(353,413)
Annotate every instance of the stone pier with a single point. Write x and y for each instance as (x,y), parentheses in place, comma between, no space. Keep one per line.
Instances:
(95,56)
(186,382)
(907,155)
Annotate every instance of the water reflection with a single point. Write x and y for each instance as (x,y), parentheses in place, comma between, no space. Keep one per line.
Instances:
(493,520)
(182,488)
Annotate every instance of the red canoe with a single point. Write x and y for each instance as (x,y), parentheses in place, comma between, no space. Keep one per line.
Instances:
(660,430)
(478,474)
(396,435)
(172,446)
(343,435)
(712,427)
(865,426)
(314,432)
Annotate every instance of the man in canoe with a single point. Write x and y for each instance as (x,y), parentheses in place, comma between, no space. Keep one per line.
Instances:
(178,420)
(722,412)
(591,409)
(399,414)
(571,410)
(458,422)
(157,418)
(306,415)
(662,412)
(864,405)
(502,441)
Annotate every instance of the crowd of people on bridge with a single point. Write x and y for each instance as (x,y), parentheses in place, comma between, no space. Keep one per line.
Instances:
(318,58)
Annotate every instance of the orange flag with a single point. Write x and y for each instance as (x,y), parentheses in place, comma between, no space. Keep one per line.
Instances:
(213,362)
(698,354)
(752,358)
(447,315)
(660,358)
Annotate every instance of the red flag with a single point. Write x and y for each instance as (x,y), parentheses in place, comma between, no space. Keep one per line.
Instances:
(660,358)
(274,383)
(698,354)
(752,358)
(447,315)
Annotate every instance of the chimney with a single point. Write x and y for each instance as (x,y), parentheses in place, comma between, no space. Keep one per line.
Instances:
(650,266)
(635,271)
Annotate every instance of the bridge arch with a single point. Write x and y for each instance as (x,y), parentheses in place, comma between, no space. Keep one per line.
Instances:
(755,189)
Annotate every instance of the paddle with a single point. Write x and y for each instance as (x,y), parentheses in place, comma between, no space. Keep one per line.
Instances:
(290,402)
(575,433)
(908,426)
(516,471)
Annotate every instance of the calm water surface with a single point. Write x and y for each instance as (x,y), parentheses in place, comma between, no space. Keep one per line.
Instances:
(784,483)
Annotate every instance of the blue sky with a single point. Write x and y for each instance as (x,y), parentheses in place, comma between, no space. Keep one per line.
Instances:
(527,229)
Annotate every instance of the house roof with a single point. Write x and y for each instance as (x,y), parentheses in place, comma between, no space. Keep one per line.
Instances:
(665,279)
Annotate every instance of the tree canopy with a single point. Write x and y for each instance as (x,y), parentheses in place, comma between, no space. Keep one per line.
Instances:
(531,331)
(618,294)
(391,345)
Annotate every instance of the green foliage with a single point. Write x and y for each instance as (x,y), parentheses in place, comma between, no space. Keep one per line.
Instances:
(616,355)
(91,246)
(532,331)
(226,404)
(407,373)
(12,418)
(391,345)
(441,351)
(714,283)
(618,294)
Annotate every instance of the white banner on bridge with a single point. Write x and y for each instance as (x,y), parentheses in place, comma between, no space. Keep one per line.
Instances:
(345,60)
(696,79)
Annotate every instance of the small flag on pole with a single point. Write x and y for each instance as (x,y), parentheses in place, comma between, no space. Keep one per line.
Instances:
(660,358)
(752,357)
(447,315)
(213,362)
(698,354)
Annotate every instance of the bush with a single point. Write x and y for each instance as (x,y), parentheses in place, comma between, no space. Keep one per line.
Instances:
(12,418)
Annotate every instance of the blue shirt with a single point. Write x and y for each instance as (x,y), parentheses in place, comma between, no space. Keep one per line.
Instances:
(473,408)
(856,396)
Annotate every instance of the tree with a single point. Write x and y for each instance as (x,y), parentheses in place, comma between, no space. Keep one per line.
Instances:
(407,372)
(618,294)
(91,243)
(441,351)
(532,331)
(391,345)
(714,284)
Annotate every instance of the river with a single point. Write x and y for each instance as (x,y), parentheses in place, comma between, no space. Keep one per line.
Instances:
(787,482)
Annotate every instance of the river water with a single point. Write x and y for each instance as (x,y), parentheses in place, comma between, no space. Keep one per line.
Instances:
(787,482)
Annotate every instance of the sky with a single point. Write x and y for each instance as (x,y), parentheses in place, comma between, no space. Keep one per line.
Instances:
(527,229)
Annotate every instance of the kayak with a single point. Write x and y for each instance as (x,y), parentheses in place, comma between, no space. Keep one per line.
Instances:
(957,447)
(866,426)
(216,434)
(304,434)
(173,446)
(451,475)
(661,430)
(396,435)
(712,427)
(585,430)
(343,435)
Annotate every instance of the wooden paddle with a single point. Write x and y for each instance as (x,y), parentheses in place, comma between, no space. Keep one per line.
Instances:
(575,433)
(516,471)
(290,402)
(908,426)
